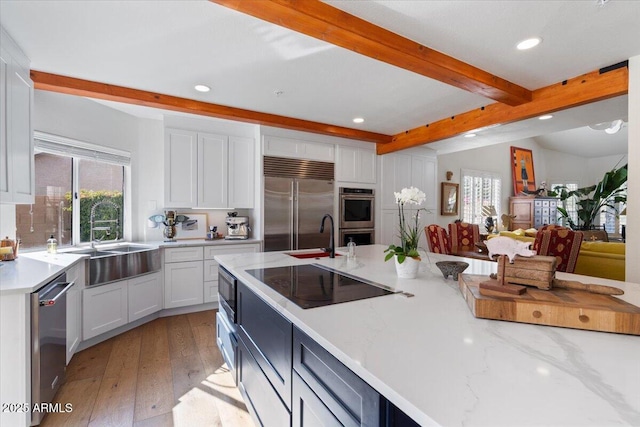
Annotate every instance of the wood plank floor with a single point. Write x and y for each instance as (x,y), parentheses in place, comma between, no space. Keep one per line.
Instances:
(168,372)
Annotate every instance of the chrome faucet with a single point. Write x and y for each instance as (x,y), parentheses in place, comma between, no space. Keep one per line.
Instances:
(107,229)
(332,246)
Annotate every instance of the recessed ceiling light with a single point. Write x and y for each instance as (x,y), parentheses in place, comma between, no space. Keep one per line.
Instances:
(358,120)
(470,135)
(545,117)
(529,43)
(202,88)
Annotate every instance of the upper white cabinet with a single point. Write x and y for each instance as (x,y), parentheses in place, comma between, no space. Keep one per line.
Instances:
(181,168)
(355,164)
(16,131)
(241,172)
(208,171)
(297,149)
(213,188)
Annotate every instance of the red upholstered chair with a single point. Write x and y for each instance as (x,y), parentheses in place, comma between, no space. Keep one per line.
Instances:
(560,242)
(464,234)
(437,239)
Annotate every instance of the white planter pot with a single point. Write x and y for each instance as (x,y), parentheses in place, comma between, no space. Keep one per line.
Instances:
(408,269)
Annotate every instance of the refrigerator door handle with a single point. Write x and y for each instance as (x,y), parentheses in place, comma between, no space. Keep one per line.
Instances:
(292,204)
(296,230)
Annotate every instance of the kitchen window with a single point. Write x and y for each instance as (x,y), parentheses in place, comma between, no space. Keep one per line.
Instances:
(80,194)
(479,188)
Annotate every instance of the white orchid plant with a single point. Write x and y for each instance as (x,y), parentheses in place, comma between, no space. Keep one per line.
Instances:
(409,234)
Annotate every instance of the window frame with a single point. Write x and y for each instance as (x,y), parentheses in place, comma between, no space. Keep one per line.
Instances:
(496,199)
(77,150)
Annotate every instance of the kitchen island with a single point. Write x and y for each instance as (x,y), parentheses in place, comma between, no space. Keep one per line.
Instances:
(437,363)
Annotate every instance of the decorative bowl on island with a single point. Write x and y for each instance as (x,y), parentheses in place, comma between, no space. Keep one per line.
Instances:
(452,268)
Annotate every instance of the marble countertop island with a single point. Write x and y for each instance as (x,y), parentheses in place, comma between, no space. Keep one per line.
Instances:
(435,361)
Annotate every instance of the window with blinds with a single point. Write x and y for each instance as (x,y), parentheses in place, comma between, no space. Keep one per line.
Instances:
(80,192)
(569,204)
(479,189)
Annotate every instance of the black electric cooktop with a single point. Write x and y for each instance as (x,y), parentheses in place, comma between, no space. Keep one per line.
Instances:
(312,285)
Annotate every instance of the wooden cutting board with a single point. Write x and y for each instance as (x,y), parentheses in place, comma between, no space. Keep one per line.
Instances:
(567,308)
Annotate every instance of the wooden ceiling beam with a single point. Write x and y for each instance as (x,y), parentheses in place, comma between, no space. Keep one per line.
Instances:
(585,89)
(91,89)
(332,25)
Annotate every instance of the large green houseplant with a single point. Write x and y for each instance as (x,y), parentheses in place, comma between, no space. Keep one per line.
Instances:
(592,200)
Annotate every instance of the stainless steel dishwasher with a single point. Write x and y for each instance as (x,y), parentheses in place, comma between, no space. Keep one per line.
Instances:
(48,342)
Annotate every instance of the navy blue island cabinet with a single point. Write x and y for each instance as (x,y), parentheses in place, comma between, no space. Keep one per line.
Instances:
(288,379)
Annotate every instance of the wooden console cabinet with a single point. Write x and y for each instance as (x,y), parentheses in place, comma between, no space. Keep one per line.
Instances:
(533,212)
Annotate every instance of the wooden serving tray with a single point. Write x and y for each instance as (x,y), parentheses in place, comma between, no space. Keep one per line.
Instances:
(569,308)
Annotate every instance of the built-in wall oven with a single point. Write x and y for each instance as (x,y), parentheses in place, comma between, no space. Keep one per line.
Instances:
(357,220)
(357,207)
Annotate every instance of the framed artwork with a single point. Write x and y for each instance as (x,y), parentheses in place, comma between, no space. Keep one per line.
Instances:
(448,198)
(194,228)
(524,180)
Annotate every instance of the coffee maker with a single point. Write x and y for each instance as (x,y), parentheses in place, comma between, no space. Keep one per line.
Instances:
(237,227)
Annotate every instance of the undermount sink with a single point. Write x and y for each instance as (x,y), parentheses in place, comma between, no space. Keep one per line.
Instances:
(107,264)
(314,254)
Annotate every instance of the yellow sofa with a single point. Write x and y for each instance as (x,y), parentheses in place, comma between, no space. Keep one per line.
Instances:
(598,259)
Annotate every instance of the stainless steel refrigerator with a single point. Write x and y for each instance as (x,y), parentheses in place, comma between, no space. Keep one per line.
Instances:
(293,211)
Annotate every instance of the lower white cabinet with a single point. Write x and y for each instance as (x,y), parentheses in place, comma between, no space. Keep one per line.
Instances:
(74,308)
(145,295)
(183,284)
(210,280)
(211,265)
(104,308)
(191,273)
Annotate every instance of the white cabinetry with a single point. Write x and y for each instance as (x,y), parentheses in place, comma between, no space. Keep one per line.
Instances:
(16,131)
(401,170)
(208,171)
(355,164)
(183,277)
(74,308)
(144,295)
(181,171)
(191,273)
(297,149)
(241,172)
(211,265)
(104,308)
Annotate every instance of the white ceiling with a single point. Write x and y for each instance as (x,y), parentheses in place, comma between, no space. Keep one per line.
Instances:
(169,46)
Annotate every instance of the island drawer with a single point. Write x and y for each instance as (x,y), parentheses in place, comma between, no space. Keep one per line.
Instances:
(262,400)
(268,336)
(227,342)
(346,395)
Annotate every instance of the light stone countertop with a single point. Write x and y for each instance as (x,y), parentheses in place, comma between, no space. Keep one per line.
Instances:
(439,364)
(30,271)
